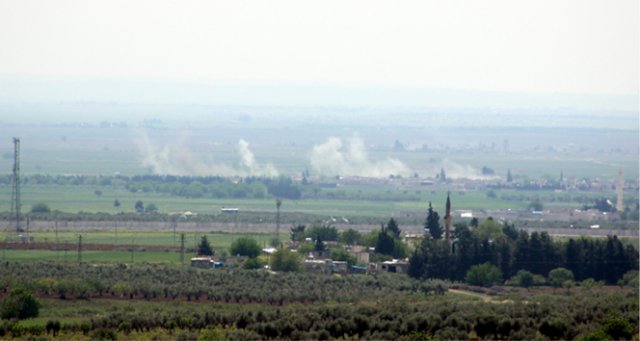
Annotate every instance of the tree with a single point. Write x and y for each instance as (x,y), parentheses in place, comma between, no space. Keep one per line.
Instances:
(536,205)
(432,223)
(297,233)
(204,249)
(40,208)
(443,175)
(485,274)
(116,203)
(385,242)
(558,277)
(350,237)
(489,229)
(523,279)
(53,326)
(246,247)
(285,260)
(392,227)
(151,208)
(325,232)
(253,263)
(139,206)
(20,304)
(509,177)
(319,246)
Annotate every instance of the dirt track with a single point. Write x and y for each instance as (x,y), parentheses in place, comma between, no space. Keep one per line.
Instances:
(77,226)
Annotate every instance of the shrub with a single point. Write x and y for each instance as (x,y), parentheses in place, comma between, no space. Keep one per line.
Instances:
(485,274)
(285,260)
(245,247)
(559,276)
(252,264)
(20,304)
(40,208)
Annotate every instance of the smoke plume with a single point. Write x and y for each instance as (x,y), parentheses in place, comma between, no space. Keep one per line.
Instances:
(333,158)
(175,158)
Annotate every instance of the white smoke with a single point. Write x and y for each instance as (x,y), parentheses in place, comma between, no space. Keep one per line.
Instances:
(455,170)
(333,158)
(177,159)
(249,164)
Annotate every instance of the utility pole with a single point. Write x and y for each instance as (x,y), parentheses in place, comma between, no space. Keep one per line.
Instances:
(15,192)
(80,248)
(132,247)
(278,204)
(182,248)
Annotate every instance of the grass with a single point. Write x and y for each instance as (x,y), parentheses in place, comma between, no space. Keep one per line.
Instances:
(83,199)
(139,256)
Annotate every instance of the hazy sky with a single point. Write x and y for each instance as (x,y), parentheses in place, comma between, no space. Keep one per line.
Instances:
(524,46)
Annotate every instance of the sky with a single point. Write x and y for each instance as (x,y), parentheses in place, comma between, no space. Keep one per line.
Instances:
(544,46)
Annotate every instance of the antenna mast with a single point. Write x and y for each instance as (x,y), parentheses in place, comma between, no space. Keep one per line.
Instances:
(15,193)
(620,191)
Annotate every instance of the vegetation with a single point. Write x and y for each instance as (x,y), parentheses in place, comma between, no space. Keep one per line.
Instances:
(245,247)
(601,259)
(204,249)
(285,260)
(260,305)
(484,274)
(20,304)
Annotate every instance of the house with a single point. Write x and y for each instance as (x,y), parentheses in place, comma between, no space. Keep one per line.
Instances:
(202,262)
(340,267)
(396,266)
(317,266)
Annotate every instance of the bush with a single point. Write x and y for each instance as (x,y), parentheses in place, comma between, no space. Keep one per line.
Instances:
(485,274)
(40,208)
(285,260)
(245,247)
(20,304)
(560,276)
(252,264)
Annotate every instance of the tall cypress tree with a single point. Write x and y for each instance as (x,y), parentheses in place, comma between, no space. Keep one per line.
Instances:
(432,223)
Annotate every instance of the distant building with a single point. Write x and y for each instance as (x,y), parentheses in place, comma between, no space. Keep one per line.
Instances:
(202,262)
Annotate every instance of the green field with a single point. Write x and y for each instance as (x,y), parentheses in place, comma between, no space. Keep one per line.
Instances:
(73,199)
(139,256)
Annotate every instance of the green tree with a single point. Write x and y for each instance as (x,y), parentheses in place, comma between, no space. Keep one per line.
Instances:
(151,208)
(536,205)
(245,247)
(204,248)
(253,263)
(53,327)
(297,233)
(485,274)
(432,223)
(523,278)
(558,276)
(350,237)
(20,304)
(340,254)
(393,229)
(319,245)
(40,208)
(139,206)
(489,229)
(385,242)
(285,260)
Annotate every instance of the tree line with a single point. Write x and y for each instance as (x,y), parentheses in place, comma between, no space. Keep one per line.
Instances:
(510,250)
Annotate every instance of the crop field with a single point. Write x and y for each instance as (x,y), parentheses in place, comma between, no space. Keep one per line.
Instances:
(73,199)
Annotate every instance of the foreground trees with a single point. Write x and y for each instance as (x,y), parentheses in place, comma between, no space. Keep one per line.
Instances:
(511,251)
(20,304)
